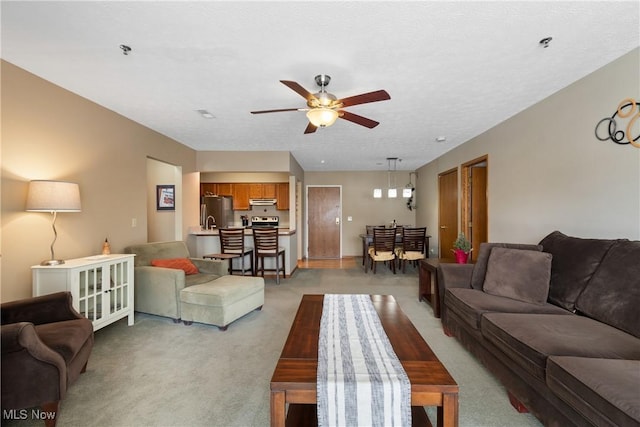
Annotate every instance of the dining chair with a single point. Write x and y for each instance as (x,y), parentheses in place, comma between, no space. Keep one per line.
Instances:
(371,227)
(413,247)
(232,242)
(368,243)
(266,244)
(383,248)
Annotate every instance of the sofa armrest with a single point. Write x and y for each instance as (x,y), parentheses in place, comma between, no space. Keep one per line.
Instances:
(209,266)
(32,372)
(453,276)
(157,290)
(56,307)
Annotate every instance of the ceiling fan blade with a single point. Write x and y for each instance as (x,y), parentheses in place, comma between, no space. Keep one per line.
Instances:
(298,89)
(279,110)
(311,128)
(362,121)
(378,95)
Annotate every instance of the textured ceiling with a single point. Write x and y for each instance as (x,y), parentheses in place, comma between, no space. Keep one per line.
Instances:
(453,69)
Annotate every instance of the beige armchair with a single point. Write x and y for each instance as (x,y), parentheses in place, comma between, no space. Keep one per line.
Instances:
(157,289)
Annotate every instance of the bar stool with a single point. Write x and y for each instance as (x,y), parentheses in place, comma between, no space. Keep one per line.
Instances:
(265,241)
(232,243)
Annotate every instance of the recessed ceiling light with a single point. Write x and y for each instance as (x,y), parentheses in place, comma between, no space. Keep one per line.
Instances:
(441,139)
(322,161)
(206,114)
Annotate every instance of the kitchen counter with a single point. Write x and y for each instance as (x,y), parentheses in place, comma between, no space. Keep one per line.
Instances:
(196,231)
(203,242)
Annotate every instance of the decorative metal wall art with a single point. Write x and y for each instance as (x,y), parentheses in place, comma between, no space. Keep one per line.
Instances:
(607,128)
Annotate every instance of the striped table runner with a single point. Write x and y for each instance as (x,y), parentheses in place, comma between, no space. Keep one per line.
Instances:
(360,380)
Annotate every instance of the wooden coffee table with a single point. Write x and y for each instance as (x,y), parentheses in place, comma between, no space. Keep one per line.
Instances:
(294,379)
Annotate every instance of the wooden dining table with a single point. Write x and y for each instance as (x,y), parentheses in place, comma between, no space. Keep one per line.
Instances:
(294,379)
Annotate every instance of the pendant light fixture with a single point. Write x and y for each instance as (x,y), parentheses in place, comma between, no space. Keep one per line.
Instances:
(392,191)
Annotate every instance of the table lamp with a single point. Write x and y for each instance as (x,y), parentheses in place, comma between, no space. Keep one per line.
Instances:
(54,197)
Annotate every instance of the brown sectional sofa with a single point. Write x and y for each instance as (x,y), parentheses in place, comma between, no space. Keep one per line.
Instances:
(572,358)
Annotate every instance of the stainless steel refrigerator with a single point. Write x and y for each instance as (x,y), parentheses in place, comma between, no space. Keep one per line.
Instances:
(218,207)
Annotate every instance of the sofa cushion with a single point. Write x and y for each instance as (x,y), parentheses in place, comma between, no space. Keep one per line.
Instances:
(224,291)
(145,252)
(605,390)
(519,274)
(480,267)
(176,263)
(574,262)
(612,295)
(198,279)
(471,304)
(528,339)
(66,338)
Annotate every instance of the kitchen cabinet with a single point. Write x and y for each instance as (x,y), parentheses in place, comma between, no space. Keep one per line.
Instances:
(242,192)
(241,196)
(262,190)
(225,189)
(282,195)
(101,286)
(255,191)
(207,188)
(269,191)
(216,189)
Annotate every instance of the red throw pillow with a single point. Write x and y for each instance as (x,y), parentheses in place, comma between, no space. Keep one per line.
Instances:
(177,263)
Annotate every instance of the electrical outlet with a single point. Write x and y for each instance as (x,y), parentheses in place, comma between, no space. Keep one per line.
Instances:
(349,218)
(134,222)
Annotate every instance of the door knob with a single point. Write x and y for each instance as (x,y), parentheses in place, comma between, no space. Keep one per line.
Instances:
(443,227)
(337,221)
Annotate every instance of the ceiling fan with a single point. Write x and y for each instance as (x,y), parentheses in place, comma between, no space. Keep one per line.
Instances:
(324,108)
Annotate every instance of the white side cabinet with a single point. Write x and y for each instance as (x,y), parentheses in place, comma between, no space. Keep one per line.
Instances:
(101,286)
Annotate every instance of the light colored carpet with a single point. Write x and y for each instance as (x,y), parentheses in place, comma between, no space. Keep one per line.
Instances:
(157,373)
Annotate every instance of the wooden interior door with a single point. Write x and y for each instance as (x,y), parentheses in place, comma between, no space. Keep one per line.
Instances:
(448,212)
(475,216)
(323,217)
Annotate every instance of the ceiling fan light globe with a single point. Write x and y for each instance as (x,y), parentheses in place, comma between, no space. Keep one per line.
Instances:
(322,117)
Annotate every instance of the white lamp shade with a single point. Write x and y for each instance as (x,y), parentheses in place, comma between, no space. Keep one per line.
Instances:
(53,196)
(322,117)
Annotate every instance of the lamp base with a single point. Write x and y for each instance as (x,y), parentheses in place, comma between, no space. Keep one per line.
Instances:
(52,262)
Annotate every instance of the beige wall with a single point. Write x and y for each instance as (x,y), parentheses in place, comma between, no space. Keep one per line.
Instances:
(244,161)
(244,176)
(161,224)
(547,170)
(358,202)
(50,133)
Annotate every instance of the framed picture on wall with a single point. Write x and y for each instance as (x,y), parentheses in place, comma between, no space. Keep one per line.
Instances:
(165,197)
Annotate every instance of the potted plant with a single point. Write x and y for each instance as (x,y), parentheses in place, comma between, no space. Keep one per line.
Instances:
(461,249)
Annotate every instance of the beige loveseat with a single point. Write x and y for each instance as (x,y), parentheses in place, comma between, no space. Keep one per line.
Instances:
(210,296)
